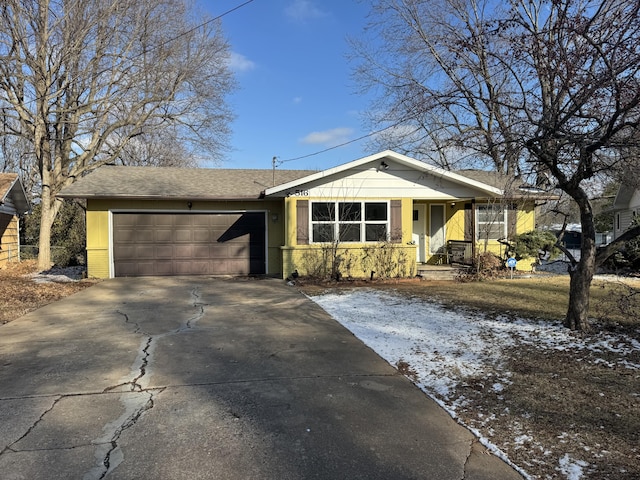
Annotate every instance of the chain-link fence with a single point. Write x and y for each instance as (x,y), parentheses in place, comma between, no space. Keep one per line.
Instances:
(60,256)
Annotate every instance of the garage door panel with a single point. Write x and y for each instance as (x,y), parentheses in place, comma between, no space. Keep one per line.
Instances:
(163,251)
(234,250)
(163,235)
(183,236)
(127,269)
(162,268)
(202,235)
(124,236)
(143,236)
(200,252)
(128,252)
(192,268)
(184,244)
(143,252)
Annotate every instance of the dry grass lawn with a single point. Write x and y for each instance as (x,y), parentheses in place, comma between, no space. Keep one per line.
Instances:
(576,402)
(20,294)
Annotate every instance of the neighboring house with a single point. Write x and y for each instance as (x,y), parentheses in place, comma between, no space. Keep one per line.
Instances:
(13,203)
(626,207)
(173,221)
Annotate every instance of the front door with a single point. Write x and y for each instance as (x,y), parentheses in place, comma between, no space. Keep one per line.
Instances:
(419,230)
(436,229)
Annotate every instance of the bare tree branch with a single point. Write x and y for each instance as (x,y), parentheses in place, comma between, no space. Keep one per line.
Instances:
(80,79)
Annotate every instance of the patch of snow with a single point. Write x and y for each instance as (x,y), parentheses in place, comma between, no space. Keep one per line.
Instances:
(555,266)
(59,274)
(572,469)
(420,334)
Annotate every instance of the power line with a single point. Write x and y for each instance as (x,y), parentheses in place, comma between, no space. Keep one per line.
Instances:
(169,40)
(203,24)
(345,143)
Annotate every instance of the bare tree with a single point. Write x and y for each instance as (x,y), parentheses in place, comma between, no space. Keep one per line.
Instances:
(579,78)
(433,65)
(551,86)
(159,148)
(79,79)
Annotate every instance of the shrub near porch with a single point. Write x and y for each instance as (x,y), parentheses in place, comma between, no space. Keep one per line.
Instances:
(339,260)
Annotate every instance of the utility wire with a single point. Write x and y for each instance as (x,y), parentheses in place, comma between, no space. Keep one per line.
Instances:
(345,143)
(174,38)
(187,32)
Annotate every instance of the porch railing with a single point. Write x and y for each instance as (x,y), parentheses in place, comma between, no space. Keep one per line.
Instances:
(460,251)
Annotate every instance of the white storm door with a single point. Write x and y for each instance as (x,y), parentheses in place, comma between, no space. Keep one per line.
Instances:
(419,231)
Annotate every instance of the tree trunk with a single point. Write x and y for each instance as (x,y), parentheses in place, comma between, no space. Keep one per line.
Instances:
(582,272)
(46,221)
(577,317)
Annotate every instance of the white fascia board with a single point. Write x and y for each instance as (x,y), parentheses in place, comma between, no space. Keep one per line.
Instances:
(391,155)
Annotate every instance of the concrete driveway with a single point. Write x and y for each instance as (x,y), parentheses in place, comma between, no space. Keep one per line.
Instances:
(209,378)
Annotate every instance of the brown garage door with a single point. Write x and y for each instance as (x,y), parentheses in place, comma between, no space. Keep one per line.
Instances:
(188,244)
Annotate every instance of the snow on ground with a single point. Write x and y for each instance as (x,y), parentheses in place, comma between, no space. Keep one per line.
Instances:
(443,347)
(59,274)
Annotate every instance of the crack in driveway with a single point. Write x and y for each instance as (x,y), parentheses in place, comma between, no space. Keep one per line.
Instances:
(9,447)
(108,453)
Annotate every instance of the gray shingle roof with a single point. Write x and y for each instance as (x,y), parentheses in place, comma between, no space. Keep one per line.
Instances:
(11,187)
(6,182)
(177,183)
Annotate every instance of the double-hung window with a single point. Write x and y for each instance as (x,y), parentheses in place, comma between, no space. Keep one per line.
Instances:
(349,221)
(492,221)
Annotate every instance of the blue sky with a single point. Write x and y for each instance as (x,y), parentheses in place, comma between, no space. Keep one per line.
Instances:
(296,94)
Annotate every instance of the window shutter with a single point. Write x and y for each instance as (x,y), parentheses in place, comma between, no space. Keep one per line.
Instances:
(468,222)
(302,222)
(396,221)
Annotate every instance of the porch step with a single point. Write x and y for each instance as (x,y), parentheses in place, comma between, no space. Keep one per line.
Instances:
(439,272)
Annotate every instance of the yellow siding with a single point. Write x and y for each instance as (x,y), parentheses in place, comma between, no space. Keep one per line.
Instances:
(9,239)
(455,221)
(97,242)
(355,260)
(525,222)
(98,230)
(283,254)
(407,222)
(98,263)
(526,219)
(291,224)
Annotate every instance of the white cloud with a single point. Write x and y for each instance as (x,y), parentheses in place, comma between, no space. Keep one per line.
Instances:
(297,100)
(332,137)
(239,63)
(303,10)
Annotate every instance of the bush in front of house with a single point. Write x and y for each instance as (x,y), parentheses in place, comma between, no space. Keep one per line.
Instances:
(535,243)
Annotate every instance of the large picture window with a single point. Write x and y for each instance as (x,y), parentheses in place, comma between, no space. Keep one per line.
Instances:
(349,221)
(492,221)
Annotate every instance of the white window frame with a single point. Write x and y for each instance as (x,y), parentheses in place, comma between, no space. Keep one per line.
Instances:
(481,233)
(336,222)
